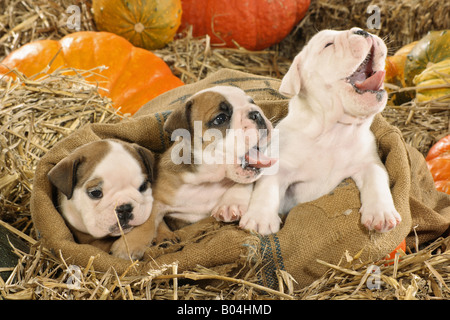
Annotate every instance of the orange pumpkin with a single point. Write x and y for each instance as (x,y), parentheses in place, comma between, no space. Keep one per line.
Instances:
(253,24)
(149,24)
(133,75)
(395,65)
(395,68)
(438,161)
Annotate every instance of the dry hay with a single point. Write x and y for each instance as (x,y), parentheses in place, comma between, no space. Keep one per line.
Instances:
(35,114)
(192,59)
(420,128)
(423,274)
(402,21)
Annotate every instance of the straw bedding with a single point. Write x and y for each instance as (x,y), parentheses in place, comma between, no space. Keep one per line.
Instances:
(35,114)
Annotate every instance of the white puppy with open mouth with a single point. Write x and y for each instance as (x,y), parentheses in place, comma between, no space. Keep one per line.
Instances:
(337,86)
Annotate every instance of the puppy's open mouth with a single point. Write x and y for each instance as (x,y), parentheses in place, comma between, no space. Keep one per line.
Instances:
(365,79)
(254,160)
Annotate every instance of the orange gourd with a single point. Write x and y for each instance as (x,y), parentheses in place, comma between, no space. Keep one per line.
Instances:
(438,162)
(395,68)
(253,24)
(395,65)
(133,75)
(149,24)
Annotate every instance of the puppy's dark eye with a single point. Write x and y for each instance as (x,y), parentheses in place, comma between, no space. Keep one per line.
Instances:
(220,119)
(143,186)
(328,44)
(95,194)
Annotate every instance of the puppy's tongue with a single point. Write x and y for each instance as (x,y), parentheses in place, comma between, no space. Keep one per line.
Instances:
(374,82)
(257,159)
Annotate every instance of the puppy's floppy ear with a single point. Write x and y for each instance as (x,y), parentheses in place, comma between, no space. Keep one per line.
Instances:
(148,159)
(64,175)
(291,84)
(180,118)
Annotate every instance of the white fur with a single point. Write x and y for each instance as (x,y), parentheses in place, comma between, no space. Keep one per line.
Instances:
(326,135)
(196,201)
(122,177)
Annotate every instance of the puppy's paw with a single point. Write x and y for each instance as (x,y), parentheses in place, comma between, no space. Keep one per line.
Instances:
(229,213)
(165,236)
(381,218)
(263,224)
(123,250)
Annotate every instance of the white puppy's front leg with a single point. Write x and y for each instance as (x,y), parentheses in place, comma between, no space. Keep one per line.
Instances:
(377,207)
(262,214)
(234,203)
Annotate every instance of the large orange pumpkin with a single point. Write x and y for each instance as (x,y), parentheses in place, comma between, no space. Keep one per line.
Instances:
(252,24)
(149,24)
(133,75)
(438,161)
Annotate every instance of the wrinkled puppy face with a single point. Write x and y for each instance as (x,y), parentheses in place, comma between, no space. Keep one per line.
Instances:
(105,184)
(226,129)
(343,69)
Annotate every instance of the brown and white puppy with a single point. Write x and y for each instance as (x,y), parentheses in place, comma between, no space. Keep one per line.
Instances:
(104,188)
(220,132)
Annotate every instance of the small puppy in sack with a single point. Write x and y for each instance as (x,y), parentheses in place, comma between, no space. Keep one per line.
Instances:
(337,86)
(210,170)
(104,189)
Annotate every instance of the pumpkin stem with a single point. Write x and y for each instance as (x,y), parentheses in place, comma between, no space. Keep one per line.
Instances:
(139,27)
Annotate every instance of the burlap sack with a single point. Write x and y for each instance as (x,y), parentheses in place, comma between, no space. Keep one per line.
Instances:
(322,229)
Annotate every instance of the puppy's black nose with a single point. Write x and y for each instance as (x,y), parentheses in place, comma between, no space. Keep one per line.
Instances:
(124,213)
(363,33)
(258,118)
